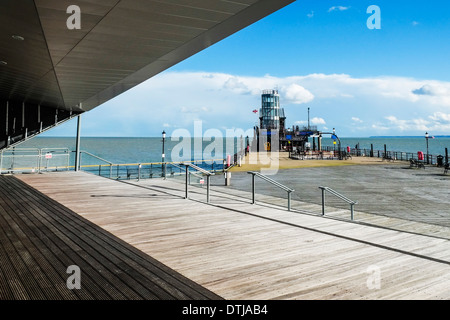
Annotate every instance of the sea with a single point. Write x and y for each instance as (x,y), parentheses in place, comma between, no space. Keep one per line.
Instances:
(149,149)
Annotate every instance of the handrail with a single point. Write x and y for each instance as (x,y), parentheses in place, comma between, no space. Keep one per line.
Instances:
(338,195)
(193,166)
(97,157)
(175,165)
(179,167)
(275,183)
(207,173)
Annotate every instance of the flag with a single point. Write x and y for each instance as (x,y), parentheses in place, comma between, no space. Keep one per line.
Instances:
(255,111)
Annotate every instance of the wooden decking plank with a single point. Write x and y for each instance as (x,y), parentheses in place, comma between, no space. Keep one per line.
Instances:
(160,278)
(18,266)
(52,259)
(136,275)
(95,264)
(331,225)
(135,267)
(245,251)
(32,258)
(9,275)
(5,291)
(57,257)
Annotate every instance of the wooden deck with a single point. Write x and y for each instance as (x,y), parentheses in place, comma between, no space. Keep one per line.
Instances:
(40,239)
(243,251)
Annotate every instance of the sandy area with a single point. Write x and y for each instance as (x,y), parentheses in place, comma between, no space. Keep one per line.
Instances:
(281,160)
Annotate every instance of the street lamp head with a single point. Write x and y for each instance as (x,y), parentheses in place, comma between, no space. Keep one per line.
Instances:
(164,133)
(426,135)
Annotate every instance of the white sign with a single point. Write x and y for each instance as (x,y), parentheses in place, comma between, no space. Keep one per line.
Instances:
(48,156)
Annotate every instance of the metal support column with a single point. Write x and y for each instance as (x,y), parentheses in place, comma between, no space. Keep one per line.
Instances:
(7,120)
(187,181)
(207,188)
(163,165)
(323,201)
(253,189)
(289,200)
(77,151)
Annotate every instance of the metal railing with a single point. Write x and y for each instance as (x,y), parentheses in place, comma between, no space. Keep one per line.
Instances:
(273,182)
(17,160)
(146,170)
(203,171)
(340,196)
(120,171)
(429,159)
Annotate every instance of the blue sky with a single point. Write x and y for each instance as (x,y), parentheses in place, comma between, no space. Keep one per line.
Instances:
(319,54)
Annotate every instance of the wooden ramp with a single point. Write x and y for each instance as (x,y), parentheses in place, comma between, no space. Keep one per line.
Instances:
(40,238)
(243,251)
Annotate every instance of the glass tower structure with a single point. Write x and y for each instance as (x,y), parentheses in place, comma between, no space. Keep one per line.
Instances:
(271,115)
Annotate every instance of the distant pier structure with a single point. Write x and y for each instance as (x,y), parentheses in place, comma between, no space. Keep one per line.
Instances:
(271,116)
(272,133)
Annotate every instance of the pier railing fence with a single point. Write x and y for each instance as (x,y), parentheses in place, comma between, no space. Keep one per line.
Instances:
(29,160)
(388,155)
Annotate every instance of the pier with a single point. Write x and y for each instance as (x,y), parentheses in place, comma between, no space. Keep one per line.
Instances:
(230,248)
(41,240)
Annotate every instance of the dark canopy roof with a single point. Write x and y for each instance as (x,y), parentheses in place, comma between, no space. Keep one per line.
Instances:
(121,43)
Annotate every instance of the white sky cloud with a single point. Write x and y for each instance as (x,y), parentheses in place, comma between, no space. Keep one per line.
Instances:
(296,94)
(317,120)
(439,122)
(411,124)
(441,117)
(338,8)
(393,105)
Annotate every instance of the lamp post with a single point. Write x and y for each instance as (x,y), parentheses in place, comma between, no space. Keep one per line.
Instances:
(163,168)
(426,138)
(334,136)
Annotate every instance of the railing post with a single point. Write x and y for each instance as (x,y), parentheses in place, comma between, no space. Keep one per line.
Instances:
(110,171)
(253,188)
(289,200)
(68,159)
(139,172)
(77,145)
(351,210)
(39,160)
(207,188)
(187,174)
(323,201)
